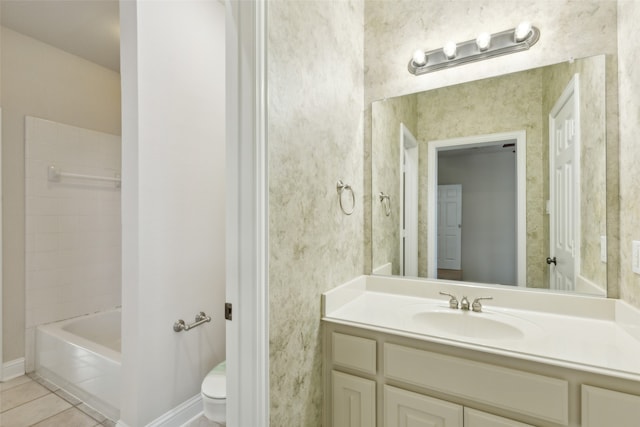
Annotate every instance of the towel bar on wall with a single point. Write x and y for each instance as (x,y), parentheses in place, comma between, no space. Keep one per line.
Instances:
(341,187)
(55,174)
(201,318)
(386,202)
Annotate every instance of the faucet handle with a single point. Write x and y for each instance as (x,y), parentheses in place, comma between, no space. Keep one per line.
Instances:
(476,306)
(453,302)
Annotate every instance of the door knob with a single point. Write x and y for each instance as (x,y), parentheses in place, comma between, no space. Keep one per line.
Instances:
(552,261)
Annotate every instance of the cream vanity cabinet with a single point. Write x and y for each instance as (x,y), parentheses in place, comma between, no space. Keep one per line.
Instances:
(373,378)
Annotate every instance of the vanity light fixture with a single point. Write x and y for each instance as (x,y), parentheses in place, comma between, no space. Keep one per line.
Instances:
(522,31)
(450,49)
(419,58)
(483,41)
(483,47)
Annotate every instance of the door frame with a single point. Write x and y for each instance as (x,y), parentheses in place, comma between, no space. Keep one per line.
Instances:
(247,334)
(1,257)
(572,89)
(521,197)
(409,156)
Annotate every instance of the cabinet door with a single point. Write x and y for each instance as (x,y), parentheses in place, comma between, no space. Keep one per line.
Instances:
(473,418)
(606,408)
(406,409)
(354,401)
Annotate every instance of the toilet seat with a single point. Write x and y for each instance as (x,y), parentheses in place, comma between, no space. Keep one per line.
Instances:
(214,385)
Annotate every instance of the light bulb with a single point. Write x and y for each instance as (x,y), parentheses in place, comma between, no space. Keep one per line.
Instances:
(419,58)
(483,41)
(450,49)
(522,31)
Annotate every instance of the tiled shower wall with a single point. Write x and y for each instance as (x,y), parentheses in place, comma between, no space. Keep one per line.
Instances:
(72,225)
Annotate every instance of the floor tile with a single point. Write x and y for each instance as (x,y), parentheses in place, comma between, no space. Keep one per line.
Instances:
(34,411)
(18,395)
(91,412)
(14,382)
(69,418)
(201,421)
(108,423)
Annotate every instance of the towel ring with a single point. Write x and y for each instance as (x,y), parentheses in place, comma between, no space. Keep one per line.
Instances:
(341,187)
(386,202)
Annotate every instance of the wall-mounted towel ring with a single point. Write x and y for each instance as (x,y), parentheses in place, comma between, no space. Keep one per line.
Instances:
(341,187)
(386,202)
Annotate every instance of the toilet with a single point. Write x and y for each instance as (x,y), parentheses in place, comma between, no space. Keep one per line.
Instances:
(214,394)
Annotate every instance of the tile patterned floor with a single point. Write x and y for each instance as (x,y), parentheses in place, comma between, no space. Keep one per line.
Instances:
(201,421)
(32,401)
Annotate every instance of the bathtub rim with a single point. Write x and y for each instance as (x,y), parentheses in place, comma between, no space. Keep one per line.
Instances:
(56,329)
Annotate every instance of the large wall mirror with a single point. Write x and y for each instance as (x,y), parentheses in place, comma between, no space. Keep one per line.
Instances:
(499,181)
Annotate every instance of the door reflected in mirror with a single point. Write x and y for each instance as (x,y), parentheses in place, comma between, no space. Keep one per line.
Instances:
(487,180)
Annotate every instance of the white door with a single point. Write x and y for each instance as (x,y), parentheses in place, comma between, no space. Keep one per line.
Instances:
(449,226)
(409,203)
(564,168)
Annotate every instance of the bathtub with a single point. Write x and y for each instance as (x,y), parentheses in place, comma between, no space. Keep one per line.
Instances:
(82,356)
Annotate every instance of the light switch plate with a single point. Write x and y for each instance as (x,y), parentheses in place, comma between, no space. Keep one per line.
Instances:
(635,256)
(603,249)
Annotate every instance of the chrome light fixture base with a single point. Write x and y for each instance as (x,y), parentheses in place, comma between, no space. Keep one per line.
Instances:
(502,43)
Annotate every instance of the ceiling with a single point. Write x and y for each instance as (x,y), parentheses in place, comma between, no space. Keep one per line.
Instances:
(86,28)
(497,147)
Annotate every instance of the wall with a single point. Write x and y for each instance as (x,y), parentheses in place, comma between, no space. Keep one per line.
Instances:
(315,81)
(488,213)
(629,92)
(173,209)
(385,157)
(42,81)
(72,227)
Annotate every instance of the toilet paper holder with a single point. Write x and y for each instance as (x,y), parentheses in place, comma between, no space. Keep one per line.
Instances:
(201,318)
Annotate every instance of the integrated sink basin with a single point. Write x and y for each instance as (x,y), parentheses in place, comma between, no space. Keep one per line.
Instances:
(468,324)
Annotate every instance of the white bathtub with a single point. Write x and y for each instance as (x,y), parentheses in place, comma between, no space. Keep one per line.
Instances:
(82,355)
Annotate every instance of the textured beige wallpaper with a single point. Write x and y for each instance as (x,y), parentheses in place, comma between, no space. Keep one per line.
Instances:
(387,116)
(629,84)
(394,29)
(315,133)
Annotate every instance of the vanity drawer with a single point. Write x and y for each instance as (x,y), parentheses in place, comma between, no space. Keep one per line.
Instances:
(529,394)
(354,352)
(603,408)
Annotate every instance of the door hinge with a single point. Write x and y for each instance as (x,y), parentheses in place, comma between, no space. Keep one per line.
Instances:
(227,310)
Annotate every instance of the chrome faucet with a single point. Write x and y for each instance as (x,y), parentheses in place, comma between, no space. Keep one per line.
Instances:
(464,304)
(453,302)
(476,306)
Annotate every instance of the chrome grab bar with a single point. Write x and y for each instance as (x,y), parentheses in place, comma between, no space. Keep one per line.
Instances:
(201,318)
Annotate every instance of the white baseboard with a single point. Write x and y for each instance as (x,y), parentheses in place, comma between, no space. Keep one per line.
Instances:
(12,369)
(177,416)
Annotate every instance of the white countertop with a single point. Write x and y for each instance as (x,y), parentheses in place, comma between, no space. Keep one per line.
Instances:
(587,333)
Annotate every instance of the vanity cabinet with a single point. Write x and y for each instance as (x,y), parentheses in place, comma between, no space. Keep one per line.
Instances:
(601,407)
(382,379)
(403,408)
(354,401)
